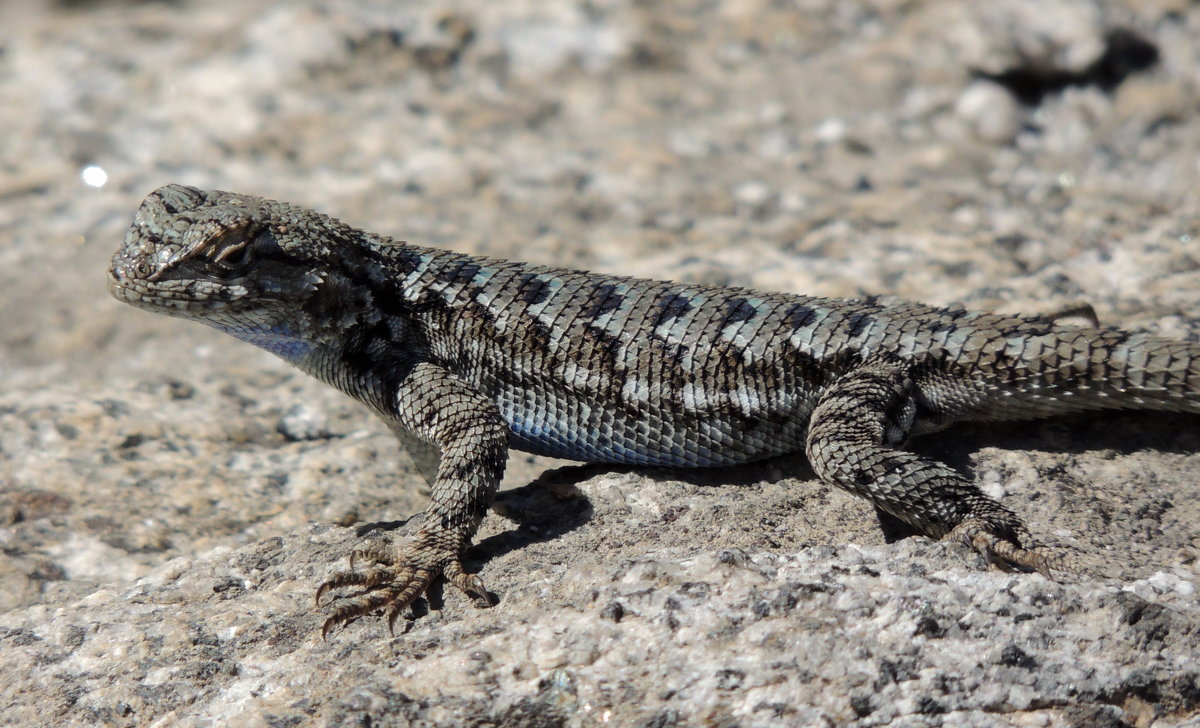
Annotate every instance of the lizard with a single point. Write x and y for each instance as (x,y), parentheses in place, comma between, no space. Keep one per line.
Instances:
(465,358)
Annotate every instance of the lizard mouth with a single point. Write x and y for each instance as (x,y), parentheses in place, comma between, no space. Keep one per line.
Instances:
(173,295)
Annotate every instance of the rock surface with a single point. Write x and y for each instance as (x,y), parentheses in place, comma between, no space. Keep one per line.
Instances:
(169,497)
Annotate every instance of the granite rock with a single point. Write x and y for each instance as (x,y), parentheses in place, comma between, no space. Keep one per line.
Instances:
(169,497)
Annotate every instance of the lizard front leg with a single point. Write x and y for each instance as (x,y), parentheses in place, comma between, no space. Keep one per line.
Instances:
(853,442)
(444,410)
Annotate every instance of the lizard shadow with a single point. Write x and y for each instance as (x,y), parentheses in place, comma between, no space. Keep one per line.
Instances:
(552,504)
(1121,432)
(547,507)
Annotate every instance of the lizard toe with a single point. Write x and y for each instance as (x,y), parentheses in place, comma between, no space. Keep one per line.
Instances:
(366,579)
(1005,551)
(469,584)
(377,553)
(389,590)
(407,574)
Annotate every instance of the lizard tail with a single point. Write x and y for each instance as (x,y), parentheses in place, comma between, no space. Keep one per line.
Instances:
(1112,369)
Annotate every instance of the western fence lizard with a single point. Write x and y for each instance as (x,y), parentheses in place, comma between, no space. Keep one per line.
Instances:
(466,357)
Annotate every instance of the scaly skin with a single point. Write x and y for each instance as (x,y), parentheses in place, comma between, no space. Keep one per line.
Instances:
(465,357)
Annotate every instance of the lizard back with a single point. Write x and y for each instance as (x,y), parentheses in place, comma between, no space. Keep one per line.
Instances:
(620,369)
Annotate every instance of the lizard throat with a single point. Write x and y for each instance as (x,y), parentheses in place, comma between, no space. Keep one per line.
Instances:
(280,339)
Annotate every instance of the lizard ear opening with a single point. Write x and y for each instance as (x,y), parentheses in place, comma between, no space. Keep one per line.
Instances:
(266,245)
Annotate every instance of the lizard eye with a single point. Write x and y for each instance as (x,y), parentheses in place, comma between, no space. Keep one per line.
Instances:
(229,249)
(233,256)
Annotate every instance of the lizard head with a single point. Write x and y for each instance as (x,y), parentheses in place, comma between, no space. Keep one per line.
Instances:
(251,267)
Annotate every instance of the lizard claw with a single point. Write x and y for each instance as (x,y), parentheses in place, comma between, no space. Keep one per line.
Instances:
(1007,552)
(366,579)
(388,589)
(397,580)
(469,584)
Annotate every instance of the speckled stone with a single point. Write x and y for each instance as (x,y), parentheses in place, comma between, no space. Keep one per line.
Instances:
(169,497)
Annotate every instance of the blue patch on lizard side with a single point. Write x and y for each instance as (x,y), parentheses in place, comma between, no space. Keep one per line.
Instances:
(575,441)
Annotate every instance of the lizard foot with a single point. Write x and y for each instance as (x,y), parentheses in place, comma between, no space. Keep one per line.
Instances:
(395,581)
(1006,551)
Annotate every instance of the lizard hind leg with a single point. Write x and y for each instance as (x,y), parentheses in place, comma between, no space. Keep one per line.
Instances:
(853,442)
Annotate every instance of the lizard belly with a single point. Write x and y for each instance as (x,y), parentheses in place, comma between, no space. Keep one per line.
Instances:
(574,430)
